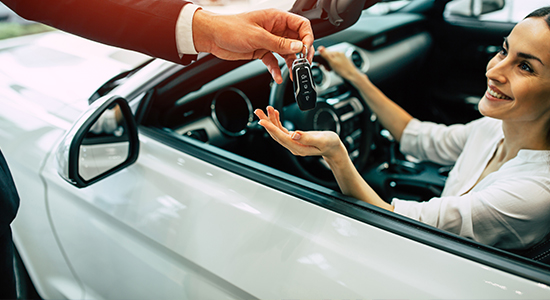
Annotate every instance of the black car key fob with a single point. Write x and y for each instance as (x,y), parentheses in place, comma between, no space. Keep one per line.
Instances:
(304,87)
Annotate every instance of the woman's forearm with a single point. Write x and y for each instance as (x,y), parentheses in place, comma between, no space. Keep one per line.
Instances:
(351,183)
(390,115)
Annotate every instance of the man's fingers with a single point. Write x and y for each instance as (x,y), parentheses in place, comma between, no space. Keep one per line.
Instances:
(288,31)
(310,53)
(272,65)
(231,55)
(289,59)
(281,45)
(302,26)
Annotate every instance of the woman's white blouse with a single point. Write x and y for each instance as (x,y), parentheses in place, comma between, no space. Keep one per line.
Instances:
(509,208)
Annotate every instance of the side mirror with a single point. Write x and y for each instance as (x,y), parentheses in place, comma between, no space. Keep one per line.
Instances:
(103,141)
(474,8)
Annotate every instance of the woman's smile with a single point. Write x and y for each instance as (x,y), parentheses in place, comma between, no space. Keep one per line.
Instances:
(494,93)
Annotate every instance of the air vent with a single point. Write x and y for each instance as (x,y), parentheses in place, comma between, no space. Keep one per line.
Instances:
(357,59)
(317,75)
(344,109)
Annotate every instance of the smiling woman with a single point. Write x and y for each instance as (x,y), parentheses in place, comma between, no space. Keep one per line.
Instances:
(519,77)
(498,192)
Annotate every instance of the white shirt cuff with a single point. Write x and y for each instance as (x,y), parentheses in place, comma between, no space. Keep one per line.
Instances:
(184,30)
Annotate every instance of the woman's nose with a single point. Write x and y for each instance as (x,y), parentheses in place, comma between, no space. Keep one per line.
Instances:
(496,70)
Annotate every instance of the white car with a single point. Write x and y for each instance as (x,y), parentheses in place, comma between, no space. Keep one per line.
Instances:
(188,198)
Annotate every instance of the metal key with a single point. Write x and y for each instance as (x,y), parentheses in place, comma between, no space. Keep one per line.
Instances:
(304,87)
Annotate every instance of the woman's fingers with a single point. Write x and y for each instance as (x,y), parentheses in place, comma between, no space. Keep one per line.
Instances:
(279,124)
(298,142)
(273,126)
(270,123)
(260,114)
(272,116)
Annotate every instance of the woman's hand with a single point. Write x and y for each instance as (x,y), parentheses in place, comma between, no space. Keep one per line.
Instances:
(311,143)
(390,115)
(341,64)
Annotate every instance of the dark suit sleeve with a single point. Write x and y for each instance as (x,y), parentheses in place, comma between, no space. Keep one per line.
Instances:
(146,26)
(9,199)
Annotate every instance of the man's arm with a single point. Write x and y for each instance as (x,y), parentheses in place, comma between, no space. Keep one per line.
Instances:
(156,27)
(144,26)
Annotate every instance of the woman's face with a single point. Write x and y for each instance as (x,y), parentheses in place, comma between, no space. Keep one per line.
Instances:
(518,77)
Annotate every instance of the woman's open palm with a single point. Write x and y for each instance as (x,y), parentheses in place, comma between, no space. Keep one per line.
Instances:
(310,143)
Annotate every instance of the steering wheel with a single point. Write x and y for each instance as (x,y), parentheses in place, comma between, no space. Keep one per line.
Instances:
(340,110)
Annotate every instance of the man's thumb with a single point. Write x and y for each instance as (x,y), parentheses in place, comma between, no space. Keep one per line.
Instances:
(296,46)
(285,46)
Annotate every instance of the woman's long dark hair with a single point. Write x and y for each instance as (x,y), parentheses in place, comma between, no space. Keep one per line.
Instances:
(543,12)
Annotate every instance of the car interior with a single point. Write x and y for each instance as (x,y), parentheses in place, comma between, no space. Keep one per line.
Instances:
(431,66)
(433,75)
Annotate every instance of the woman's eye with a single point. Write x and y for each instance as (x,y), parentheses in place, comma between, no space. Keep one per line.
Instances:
(503,51)
(525,67)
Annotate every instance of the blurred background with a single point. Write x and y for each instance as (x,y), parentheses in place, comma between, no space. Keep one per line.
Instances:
(11,25)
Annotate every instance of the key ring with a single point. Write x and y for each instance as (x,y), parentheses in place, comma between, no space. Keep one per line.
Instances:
(302,52)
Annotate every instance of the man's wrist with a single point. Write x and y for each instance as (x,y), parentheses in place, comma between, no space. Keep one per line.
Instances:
(204,28)
(184,30)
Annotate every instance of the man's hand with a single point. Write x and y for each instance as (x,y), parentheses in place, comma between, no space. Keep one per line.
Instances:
(254,35)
